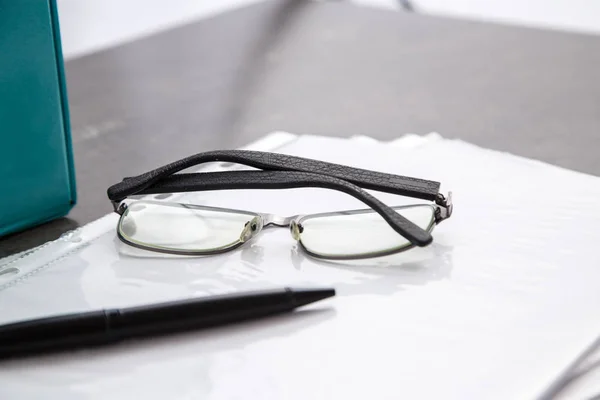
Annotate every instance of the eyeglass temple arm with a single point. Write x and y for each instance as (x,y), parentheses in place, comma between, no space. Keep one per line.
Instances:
(396,184)
(287,180)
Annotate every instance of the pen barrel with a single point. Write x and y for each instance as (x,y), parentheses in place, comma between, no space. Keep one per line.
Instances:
(199,313)
(66,331)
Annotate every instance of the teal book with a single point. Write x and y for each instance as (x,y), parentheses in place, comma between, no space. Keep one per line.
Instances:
(37,177)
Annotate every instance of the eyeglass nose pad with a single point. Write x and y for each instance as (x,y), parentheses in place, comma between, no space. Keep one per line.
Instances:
(296,229)
(251,229)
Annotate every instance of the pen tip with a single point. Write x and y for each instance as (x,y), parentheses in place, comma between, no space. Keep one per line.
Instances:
(307,296)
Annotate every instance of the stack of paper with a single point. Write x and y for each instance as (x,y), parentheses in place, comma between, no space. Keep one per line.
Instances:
(498,306)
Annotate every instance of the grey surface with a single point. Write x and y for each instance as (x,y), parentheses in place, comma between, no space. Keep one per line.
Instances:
(331,69)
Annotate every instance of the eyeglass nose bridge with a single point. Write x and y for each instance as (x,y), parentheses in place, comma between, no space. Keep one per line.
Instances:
(272,220)
(276,220)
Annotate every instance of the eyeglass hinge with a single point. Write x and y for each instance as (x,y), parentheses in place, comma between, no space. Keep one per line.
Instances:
(444,207)
(119,207)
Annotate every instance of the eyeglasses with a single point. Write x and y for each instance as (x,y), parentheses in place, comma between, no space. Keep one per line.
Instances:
(187,229)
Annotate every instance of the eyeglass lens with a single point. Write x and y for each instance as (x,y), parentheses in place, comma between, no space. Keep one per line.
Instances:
(358,234)
(182,227)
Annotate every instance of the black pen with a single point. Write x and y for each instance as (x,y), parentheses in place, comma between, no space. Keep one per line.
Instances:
(108,326)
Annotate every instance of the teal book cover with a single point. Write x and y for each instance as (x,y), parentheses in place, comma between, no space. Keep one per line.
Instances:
(37,176)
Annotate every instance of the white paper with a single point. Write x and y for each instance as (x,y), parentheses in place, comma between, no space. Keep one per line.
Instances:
(502,301)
